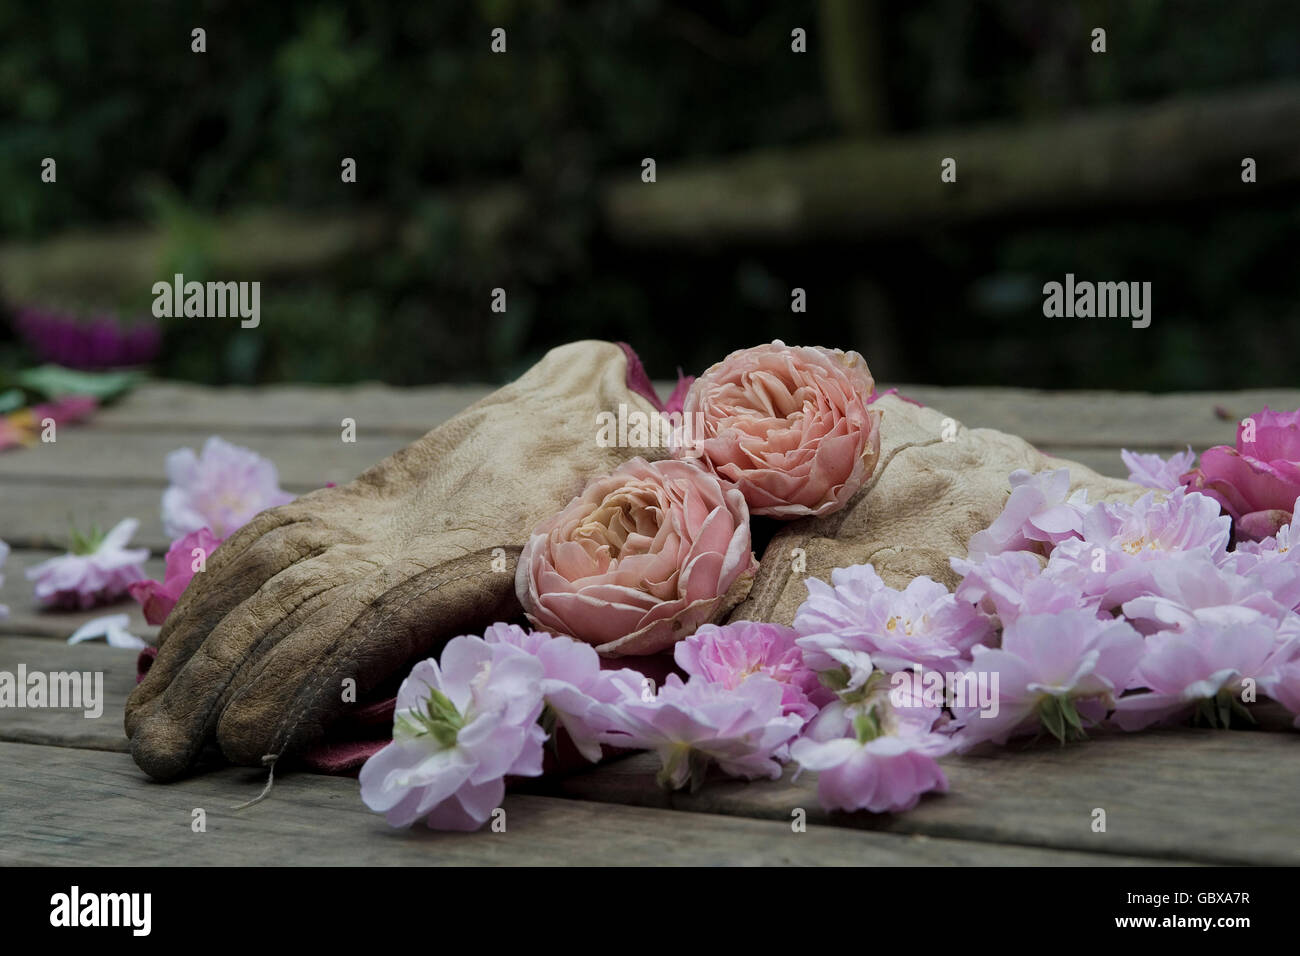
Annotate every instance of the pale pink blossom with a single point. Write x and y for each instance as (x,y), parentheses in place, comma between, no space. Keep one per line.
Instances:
(461,726)
(157,598)
(1190,588)
(873,754)
(744,730)
(1005,586)
(1202,667)
(639,560)
(789,426)
(1039,514)
(98,570)
(573,685)
(1121,543)
(733,653)
(220,489)
(1152,471)
(113,629)
(922,624)
(1053,671)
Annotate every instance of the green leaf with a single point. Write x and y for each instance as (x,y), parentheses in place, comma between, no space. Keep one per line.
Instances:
(54,381)
(11,399)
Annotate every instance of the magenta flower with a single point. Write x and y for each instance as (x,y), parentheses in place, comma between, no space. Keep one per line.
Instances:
(1258,481)
(157,598)
(574,687)
(460,728)
(1039,514)
(731,654)
(1201,669)
(1007,585)
(221,489)
(744,730)
(873,755)
(1152,471)
(922,624)
(65,410)
(1054,671)
(99,341)
(98,570)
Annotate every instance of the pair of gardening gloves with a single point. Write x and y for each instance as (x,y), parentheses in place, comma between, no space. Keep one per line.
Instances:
(321,602)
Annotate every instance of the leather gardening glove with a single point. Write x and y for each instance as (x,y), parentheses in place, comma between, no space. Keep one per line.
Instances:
(926,498)
(357,581)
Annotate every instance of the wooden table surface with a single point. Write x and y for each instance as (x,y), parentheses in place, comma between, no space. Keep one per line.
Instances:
(69,792)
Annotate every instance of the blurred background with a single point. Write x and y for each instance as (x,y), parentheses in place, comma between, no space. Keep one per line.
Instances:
(776,170)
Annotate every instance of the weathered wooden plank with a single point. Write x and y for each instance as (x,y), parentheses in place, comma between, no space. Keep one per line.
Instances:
(1137,420)
(83,807)
(69,727)
(28,617)
(105,457)
(34,513)
(377,409)
(1225,797)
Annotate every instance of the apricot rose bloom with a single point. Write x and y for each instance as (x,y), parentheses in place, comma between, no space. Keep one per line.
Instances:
(639,560)
(789,426)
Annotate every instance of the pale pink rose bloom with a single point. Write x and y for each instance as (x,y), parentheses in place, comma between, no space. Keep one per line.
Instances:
(639,560)
(788,426)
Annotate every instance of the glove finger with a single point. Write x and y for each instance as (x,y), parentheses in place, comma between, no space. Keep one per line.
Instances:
(169,729)
(369,637)
(210,598)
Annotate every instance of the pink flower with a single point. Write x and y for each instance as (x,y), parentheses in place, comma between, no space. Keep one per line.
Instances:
(1258,481)
(873,755)
(744,730)
(639,560)
(65,409)
(922,624)
(1191,588)
(731,654)
(1039,514)
(1007,585)
(460,728)
(789,427)
(157,598)
(1053,670)
(97,570)
(221,489)
(1202,667)
(1152,471)
(4,553)
(1121,543)
(574,687)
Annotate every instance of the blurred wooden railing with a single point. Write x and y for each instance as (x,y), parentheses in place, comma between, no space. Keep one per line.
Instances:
(1172,151)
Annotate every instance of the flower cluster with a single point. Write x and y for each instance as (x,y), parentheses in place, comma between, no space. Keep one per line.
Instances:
(652,551)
